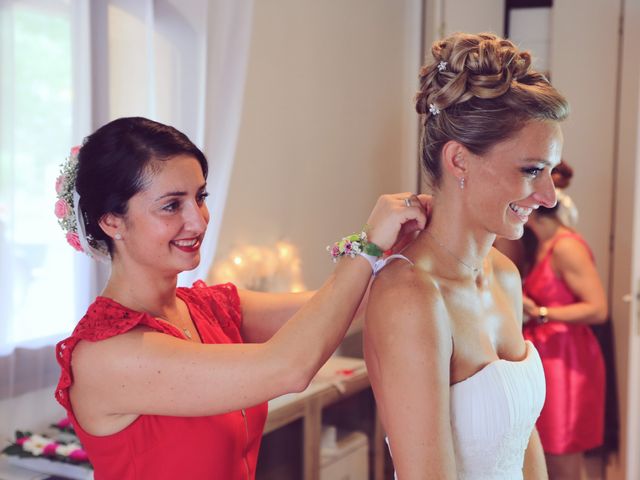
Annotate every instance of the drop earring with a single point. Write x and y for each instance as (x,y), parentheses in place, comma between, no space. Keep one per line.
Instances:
(461,183)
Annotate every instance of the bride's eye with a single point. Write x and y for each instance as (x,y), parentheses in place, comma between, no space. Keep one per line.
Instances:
(532,172)
(202,196)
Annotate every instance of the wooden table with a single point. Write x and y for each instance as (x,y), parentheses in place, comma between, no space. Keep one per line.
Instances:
(341,378)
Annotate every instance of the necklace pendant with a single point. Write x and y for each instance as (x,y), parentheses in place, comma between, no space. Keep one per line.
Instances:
(187,333)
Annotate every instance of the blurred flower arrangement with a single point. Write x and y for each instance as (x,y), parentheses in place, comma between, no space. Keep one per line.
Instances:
(274,268)
(61,447)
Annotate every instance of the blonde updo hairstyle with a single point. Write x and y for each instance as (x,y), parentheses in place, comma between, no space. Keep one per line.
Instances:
(484,94)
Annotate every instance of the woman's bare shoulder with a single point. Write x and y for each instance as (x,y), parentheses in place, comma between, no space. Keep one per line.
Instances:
(505,271)
(570,250)
(405,302)
(501,263)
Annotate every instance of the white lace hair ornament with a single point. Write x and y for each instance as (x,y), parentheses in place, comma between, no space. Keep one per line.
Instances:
(567,211)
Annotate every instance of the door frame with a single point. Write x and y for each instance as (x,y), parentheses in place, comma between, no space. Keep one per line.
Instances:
(625,265)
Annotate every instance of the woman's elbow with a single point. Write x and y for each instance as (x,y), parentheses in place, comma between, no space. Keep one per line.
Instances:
(301,383)
(296,376)
(600,315)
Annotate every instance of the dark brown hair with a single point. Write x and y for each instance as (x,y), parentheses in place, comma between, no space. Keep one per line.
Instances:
(114,161)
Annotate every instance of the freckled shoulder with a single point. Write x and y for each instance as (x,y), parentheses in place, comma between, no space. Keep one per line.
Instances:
(405,305)
(504,269)
(507,276)
(569,251)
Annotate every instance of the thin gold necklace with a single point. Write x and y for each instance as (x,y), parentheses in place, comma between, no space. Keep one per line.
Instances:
(185,331)
(475,270)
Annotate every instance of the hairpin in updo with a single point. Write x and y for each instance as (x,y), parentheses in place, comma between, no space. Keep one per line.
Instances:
(433,110)
(442,66)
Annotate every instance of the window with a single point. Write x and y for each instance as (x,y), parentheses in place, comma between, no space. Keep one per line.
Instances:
(36,109)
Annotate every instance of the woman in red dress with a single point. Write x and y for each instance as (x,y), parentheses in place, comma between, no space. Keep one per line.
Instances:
(171,383)
(563,296)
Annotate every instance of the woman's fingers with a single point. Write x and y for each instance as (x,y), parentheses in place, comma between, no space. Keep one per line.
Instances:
(393,211)
(426,201)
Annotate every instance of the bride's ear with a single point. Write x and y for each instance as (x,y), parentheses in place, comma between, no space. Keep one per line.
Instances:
(454,159)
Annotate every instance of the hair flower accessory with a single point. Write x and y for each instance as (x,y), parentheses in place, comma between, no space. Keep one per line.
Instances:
(442,66)
(433,109)
(567,211)
(67,208)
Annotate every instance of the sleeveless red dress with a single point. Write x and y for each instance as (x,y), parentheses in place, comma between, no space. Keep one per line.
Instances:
(157,447)
(572,419)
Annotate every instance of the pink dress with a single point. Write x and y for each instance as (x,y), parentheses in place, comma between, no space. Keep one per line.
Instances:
(572,419)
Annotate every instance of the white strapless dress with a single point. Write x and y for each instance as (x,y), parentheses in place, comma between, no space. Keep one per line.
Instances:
(493,413)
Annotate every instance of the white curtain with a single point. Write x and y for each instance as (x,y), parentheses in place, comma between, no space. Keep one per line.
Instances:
(229,37)
(44,285)
(181,62)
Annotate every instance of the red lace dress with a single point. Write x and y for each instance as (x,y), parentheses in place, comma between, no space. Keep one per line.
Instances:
(572,419)
(159,447)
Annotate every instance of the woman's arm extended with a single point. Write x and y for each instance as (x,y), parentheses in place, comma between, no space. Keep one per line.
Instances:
(408,349)
(145,372)
(263,314)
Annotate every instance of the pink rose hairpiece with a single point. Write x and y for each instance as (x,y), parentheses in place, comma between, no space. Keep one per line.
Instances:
(67,211)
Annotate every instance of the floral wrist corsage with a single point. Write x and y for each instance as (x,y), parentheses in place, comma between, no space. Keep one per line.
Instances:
(356,244)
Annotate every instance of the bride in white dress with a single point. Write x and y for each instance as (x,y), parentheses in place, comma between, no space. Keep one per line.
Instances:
(458,389)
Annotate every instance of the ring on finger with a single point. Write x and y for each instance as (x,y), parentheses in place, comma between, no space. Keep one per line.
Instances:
(407,201)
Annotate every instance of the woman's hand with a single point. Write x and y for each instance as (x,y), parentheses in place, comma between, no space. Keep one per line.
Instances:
(530,307)
(396,216)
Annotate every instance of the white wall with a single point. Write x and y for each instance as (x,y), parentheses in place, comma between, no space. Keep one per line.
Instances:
(444,17)
(328,123)
(474,17)
(530,29)
(584,67)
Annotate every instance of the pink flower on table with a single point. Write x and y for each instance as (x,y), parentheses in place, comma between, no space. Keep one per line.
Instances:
(74,241)
(61,209)
(50,449)
(64,423)
(60,183)
(21,440)
(75,150)
(79,455)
